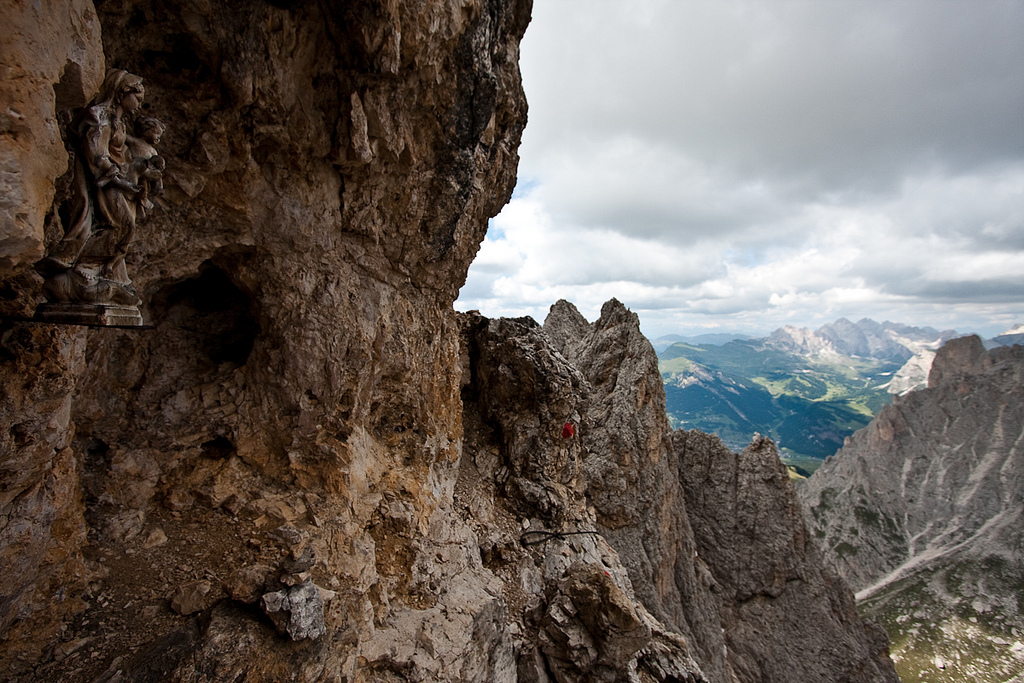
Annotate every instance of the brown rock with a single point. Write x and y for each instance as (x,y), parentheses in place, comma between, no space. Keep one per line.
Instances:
(959,358)
(42,78)
(192,597)
(156,537)
(178,500)
(43,527)
(331,168)
(247,584)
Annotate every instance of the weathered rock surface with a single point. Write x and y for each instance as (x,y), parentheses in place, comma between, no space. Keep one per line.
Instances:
(331,167)
(921,512)
(192,597)
(582,620)
(865,338)
(41,524)
(52,60)
(297,612)
(528,392)
(632,473)
(714,542)
(785,616)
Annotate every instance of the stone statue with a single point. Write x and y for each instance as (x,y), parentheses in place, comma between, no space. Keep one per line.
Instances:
(117,169)
(147,166)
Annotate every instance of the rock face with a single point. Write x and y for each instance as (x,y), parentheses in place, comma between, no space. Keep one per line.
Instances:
(524,481)
(921,513)
(784,615)
(311,469)
(331,167)
(1014,335)
(714,542)
(913,346)
(41,508)
(42,77)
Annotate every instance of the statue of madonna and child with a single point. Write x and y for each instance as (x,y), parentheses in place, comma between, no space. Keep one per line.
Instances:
(116,171)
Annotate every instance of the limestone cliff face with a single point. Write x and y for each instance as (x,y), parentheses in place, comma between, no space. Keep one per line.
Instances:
(524,480)
(921,512)
(41,508)
(785,616)
(52,61)
(331,170)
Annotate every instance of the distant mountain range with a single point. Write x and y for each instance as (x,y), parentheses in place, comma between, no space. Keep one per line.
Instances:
(806,389)
(714,338)
(1008,338)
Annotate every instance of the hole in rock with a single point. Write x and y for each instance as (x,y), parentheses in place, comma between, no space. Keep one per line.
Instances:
(22,435)
(95,465)
(218,448)
(214,312)
(69,92)
(183,57)
(96,450)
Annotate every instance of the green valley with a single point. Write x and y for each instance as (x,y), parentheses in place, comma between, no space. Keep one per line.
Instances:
(807,403)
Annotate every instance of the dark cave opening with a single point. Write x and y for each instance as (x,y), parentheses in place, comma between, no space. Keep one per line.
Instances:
(214,311)
(218,448)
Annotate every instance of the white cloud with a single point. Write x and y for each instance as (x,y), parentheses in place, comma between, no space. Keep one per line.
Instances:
(740,165)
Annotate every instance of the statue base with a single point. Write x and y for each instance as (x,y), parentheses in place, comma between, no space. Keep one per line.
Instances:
(93,315)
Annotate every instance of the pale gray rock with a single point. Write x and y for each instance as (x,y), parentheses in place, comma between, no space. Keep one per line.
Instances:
(632,475)
(785,615)
(665,659)
(591,629)
(297,612)
(584,623)
(920,510)
(714,542)
(528,392)
(628,419)
(865,338)
(1014,335)
(932,470)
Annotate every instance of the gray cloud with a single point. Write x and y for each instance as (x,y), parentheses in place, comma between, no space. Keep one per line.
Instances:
(822,92)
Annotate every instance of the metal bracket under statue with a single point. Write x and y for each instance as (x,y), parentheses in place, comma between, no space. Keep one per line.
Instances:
(117,169)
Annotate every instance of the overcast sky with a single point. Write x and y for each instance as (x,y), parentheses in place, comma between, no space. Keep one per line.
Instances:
(723,165)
